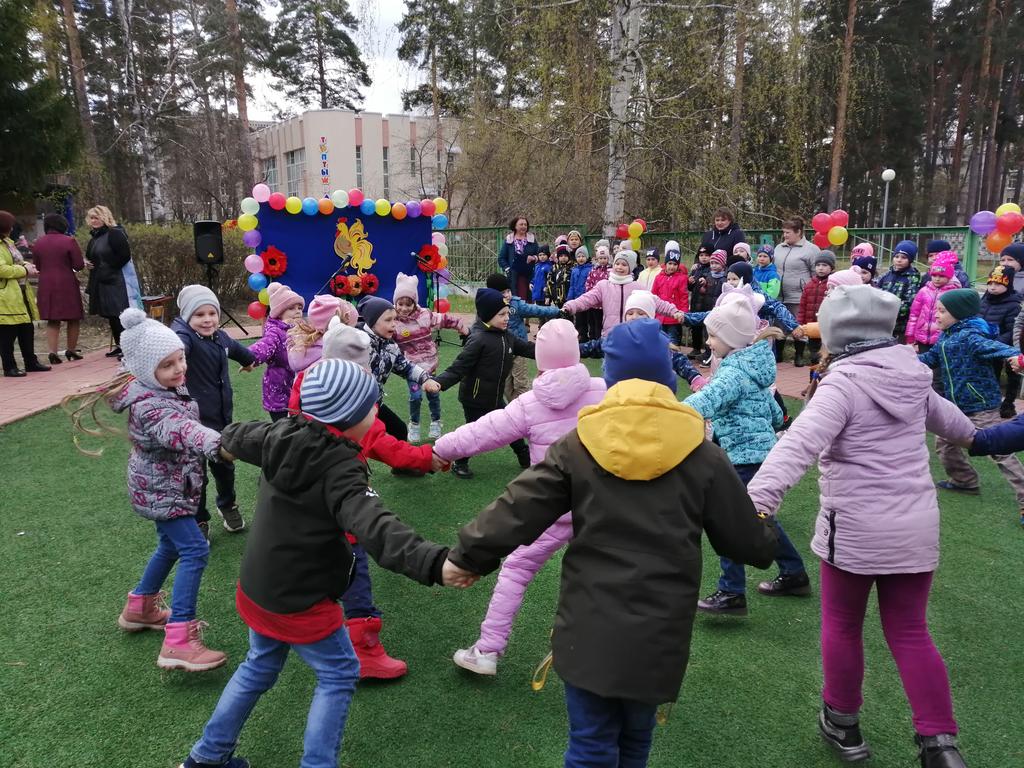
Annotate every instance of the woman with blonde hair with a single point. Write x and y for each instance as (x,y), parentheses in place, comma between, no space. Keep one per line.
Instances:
(113,283)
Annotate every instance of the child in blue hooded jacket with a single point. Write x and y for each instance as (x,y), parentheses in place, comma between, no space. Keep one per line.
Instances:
(765,273)
(738,402)
(540,274)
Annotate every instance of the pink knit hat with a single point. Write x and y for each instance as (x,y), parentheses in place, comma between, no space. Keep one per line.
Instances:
(407,287)
(862,249)
(845,277)
(321,309)
(719,257)
(558,345)
(282,297)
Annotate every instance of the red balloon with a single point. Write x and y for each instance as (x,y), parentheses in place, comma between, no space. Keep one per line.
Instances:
(277,201)
(427,207)
(257,311)
(840,218)
(642,223)
(822,222)
(820,239)
(622,232)
(442,305)
(1010,223)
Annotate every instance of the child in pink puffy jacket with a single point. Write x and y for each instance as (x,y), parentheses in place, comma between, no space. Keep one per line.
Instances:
(545,414)
(922,326)
(413,332)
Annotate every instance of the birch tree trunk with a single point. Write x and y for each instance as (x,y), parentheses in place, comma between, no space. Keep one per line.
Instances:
(627,19)
(839,137)
(241,97)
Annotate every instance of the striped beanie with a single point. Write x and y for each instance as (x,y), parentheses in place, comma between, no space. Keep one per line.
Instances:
(338,392)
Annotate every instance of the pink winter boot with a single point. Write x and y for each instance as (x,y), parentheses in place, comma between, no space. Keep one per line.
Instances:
(143,612)
(373,659)
(183,648)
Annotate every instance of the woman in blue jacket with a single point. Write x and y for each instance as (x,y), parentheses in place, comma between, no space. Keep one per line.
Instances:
(517,256)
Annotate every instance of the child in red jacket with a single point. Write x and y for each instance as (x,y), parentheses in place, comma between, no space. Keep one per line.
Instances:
(811,298)
(672,285)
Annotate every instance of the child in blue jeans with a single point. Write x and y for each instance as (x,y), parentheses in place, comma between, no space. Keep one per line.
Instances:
(298,561)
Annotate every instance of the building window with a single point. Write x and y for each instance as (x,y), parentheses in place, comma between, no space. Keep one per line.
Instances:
(359,166)
(294,162)
(387,180)
(412,161)
(270,172)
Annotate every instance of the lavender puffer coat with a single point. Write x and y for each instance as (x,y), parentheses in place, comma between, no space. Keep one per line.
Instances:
(165,467)
(272,349)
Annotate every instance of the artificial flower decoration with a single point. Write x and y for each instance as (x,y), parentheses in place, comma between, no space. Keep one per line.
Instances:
(355,284)
(339,285)
(275,262)
(370,284)
(429,258)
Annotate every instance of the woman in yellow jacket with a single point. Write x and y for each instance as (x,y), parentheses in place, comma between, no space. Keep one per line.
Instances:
(17,305)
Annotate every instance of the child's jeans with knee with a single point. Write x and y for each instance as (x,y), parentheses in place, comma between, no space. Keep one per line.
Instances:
(416,398)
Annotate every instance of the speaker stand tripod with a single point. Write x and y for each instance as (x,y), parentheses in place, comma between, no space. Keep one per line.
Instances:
(211,279)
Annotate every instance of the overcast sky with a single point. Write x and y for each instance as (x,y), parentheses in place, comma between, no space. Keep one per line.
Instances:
(378,39)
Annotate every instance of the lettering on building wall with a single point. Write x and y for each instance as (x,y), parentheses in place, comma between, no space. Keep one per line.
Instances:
(325,171)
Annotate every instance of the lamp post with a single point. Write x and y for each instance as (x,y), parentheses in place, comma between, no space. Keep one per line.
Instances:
(887,176)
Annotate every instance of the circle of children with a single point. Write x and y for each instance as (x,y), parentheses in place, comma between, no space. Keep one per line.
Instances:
(595,451)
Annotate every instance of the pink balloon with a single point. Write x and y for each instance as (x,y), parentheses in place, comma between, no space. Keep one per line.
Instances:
(427,207)
(840,218)
(355,196)
(261,192)
(277,201)
(437,238)
(253,264)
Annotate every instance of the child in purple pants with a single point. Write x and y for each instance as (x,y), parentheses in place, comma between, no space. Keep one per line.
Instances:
(879,519)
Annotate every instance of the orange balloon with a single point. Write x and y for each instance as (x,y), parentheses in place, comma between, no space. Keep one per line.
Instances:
(326,206)
(997,241)
(398,211)
(443,263)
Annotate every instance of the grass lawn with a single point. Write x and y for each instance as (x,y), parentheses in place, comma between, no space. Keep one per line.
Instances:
(76,691)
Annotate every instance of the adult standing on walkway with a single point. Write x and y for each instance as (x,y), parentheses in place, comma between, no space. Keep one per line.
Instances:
(113,284)
(724,233)
(17,307)
(58,257)
(517,255)
(794,261)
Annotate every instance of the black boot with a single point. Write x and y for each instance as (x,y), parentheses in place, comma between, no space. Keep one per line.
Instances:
(780,348)
(798,353)
(35,366)
(523,454)
(725,603)
(786,584)
(939,751)
(842,733)
(1007,410)
(460,468)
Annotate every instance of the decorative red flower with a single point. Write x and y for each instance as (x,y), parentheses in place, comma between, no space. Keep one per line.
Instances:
(429,258)
(275,262)
(370,284)
(339,285)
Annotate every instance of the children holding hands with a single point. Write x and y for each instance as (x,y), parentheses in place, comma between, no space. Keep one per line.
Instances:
(285,311)
(672,285)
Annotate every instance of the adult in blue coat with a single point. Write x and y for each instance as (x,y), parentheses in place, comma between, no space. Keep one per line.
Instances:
(517,256)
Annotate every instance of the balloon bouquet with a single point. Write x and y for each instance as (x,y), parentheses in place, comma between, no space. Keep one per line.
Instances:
(998,227)
(632,233)
(830,229)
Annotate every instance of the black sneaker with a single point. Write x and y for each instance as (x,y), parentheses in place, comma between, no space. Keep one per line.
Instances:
(204,528)
(725,603)
(939,751)
(842,733)
(232,762)
(233,521)
(115,352)
(461,470)
(949,485)
(786,584)
(1007,410)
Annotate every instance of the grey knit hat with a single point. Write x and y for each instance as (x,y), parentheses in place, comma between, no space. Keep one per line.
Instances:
(825,257)
(145,343)
(192,297)
(627,255)
(338,392)
(343,342)
(852,313)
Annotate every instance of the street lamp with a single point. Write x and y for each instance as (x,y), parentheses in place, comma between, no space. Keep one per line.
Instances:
(887,176)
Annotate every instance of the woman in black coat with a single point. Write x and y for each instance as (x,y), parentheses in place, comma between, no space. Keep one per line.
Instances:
(517,256)
(724,234)
(113,285)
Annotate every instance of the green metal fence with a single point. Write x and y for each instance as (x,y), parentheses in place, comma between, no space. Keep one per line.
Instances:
(473,252)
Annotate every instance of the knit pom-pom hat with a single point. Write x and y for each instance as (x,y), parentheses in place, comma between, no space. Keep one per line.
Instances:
(281,298)
(321,309)
(732,321)
(642,300)
(406,287)
(145,342)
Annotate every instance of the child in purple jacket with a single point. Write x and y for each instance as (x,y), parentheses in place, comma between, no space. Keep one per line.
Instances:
(285,310)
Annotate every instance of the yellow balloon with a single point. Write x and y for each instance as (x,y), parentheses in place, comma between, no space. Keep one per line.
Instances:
(838,235)
(264,297)
(247,222)
(635,229)
(293,204)
(635,243)
(383,207)
(440,205)
(1007,208)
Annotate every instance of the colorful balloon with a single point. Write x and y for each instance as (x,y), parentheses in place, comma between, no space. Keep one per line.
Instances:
(622,232)
(293,204)
(440,205)
(252,238)
(1010,223)
(398,211)
(258,282)
(414,209)
(820,239)
(439,221)
(247,221)
(261,192)
(443,291)
(355,196)
(368,207)
(642,223)
(1008,208)
(325,205)
(277,201)
(636,244)
(442,248)
(340,198)
(437,238)
(635,229)
(257,311)
(443,262)
(840,218)
(997,241)
(310,206)
(253,263)
(382,207)
(250,205)
(264,297)
(821,222)
(442,305)
(983,222)
(427,207)
(838,235)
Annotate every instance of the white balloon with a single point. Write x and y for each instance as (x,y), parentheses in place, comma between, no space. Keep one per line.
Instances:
(340,198)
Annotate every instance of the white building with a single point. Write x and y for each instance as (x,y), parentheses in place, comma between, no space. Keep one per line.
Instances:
(390,156)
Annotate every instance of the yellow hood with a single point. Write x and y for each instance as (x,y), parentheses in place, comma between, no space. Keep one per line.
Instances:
(640,431)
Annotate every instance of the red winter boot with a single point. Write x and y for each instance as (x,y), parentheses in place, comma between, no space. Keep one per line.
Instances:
(373,659)
(143,612)
(183,648)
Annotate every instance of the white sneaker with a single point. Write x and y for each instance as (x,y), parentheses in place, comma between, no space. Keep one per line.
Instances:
(414,432)
(435,430)
(475,661)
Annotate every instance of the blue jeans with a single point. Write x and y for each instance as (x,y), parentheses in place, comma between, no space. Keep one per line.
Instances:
(734,575)
(178,540)
(607,733)
(358,598)
(674,331)
(337,671)
(416,399)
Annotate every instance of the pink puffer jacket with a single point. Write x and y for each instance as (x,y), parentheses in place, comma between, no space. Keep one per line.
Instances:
(922,327)
(866,427)
(413,335)
(611,299)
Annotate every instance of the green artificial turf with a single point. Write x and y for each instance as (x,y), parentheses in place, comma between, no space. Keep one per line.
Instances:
(76,691)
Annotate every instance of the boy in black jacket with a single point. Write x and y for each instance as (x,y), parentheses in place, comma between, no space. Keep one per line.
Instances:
(483,365)
(1000,305)
(297,561)
(207,349)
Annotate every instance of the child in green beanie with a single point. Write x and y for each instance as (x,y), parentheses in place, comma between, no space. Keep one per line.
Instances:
(964,354)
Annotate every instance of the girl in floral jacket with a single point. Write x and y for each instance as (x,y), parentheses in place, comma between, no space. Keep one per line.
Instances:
(414,328)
